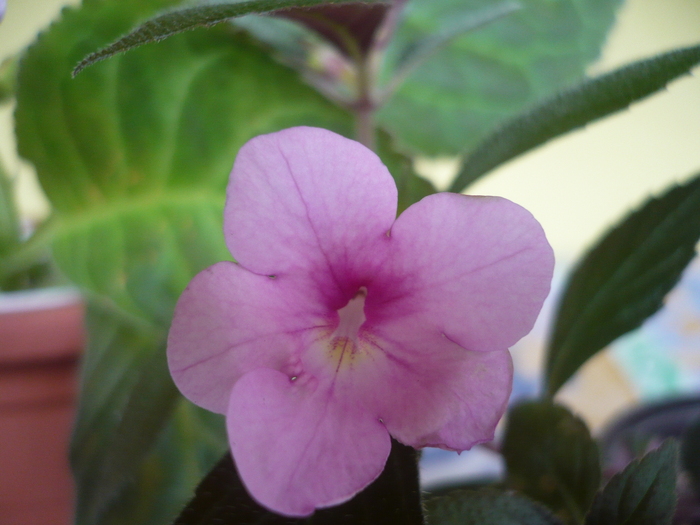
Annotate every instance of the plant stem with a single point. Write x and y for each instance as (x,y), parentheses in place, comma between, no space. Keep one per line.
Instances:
(364,106)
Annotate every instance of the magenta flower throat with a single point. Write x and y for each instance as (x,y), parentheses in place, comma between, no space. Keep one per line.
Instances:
(341,325)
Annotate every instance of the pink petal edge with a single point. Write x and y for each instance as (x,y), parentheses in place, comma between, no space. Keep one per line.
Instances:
(307,201)
(476,269)
(229,321)
(297,446)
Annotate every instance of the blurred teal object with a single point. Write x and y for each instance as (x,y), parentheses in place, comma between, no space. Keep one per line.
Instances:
(662,358)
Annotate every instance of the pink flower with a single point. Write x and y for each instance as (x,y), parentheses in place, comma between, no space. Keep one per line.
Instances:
(341,326)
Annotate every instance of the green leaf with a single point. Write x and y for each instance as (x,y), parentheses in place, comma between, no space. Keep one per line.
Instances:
(393,498)
(170,24)
(9,220)
(420,51)
(484,77)
(135,153)
(623,279)
(185,451)
(487,507)
(575,107)
(126,398)
(411,187)
(551,457)
(642,494)
(127,404)
(8,79)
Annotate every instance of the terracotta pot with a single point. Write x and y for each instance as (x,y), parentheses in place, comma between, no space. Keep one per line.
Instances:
(41,336)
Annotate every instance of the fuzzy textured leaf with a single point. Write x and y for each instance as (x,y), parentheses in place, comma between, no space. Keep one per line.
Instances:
(393,498)
(175,22)
(487,507)
(551,457)
(623,279)
(575,107)
(642,494)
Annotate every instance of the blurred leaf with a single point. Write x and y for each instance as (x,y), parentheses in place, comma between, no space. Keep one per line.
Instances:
(9,221)
(138,448)
(575,107)
(420,51)
(8,79)
(24,263)
(411,187)
(135,153)
(643,494)
(393,498)
(623,279)
(487,507)
(126,399)
(690,452)
(551,457)
(169,24)
(185,451)
(458,96)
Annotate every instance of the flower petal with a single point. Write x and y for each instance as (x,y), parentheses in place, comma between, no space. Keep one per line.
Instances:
(476,269)
(298,446)
(229,321)
(476,404)
(430,391)
(306,200)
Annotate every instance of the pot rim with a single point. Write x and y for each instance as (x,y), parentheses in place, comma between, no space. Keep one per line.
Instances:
(39,299)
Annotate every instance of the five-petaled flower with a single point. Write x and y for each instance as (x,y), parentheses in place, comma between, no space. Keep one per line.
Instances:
(341,325)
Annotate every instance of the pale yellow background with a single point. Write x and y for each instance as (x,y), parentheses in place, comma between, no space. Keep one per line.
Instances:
(576,185)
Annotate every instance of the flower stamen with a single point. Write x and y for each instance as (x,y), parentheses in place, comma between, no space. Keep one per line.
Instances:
(345,343)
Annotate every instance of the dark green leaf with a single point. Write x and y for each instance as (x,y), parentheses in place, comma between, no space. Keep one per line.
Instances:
(394,498)
(482,78)
(175,22)
(487,507)
(575,107)
(690,452)
(623,279)
(411,187)
(551,457)
(642,494)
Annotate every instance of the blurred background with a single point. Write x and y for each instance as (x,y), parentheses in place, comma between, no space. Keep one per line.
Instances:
(576,186)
